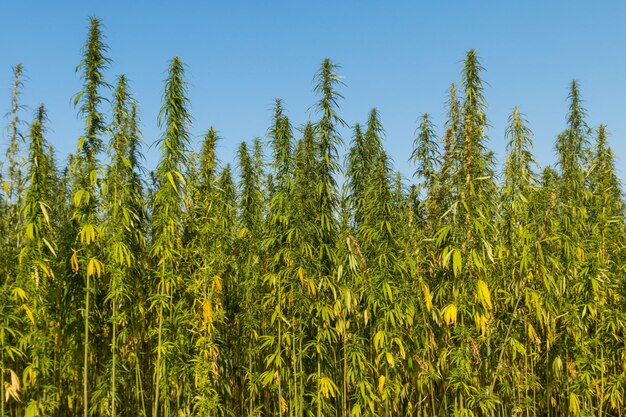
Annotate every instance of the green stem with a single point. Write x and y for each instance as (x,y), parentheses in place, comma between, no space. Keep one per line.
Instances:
(2,379)
(294,370)
(86,351)
(139,386)
(345,376)
(319,377)
(250,400)
(113,360)
(280,349)
(157,381)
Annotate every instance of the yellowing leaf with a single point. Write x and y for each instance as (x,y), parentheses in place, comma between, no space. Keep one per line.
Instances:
(12,389)
(481,324)
(74,261)
(301,275)
(398,342)
(91,267)
(216,284)
(532,334)
(44,211)
(87,234)
(484,295)
(557,365)
(50,248)
(78,196)
(180,177)
(574,403)
(381,383)
(477,261)
(379,339)
(243,233)
(29,313)
(207,311)
(449,314)
(94,267)
(47,270)
(93,177)
(580,254)
(389,358)
(170,177)
(327,387)
(19,292)
(428,298)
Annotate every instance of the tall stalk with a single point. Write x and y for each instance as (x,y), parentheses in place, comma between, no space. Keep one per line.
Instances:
(167,213)
(87,171)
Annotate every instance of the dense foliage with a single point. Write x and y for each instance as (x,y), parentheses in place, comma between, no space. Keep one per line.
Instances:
(275,289)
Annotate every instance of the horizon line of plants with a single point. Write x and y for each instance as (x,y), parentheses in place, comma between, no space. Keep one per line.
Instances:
(272,290)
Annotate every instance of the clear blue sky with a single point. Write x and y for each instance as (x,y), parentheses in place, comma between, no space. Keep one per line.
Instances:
(397,56)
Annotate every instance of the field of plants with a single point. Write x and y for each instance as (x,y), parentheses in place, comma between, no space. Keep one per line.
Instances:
(297,283)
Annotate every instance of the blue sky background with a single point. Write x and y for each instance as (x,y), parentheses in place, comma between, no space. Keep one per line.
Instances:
(397,56)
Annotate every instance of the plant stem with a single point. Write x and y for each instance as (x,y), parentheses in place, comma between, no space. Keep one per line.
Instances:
(86,351)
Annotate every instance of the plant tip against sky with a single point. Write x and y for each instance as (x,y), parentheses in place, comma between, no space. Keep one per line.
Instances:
(399,59)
